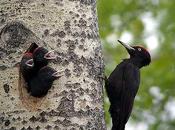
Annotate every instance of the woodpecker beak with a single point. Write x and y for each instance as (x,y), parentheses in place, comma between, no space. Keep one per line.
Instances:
(50,55)
(126,46)
(57,74)
(130,49)
(30,63)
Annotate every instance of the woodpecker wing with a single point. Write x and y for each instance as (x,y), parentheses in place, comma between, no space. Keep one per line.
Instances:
(122,87)
(131,81)
(113,83)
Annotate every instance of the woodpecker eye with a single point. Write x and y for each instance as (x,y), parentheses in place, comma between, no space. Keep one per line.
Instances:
(139,49)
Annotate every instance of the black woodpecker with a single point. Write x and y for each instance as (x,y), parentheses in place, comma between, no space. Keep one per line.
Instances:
(123,83)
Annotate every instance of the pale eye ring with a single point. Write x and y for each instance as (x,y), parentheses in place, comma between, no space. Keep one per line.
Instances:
(139,49)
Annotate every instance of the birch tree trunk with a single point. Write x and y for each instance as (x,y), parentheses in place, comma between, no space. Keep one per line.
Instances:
(70,28)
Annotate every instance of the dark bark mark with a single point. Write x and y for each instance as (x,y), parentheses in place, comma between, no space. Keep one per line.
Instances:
(7,123)
(58,33)
(2,67)
(6,88)
(12,35)
(59,2)
(85,2)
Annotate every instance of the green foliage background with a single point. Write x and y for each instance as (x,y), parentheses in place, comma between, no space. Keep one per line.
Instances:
(160,72)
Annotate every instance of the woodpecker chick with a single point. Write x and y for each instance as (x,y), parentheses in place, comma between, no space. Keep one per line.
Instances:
(123,83)
(43,81)
(41,56)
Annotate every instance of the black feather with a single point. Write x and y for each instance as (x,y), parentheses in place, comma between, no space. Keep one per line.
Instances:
(42,82)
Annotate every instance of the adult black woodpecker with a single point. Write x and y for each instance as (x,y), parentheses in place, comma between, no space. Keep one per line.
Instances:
(123,83)
(43,81)
(41,56)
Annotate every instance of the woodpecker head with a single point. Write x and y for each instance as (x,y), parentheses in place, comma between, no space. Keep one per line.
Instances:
(139,53)
(41,56)
(48,74)
(31,48)
(27,61)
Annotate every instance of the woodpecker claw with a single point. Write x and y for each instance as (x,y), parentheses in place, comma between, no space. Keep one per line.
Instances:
(126,45)
(50,55)
(30,63)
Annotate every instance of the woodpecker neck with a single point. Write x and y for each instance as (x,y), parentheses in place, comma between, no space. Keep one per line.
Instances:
(136,61)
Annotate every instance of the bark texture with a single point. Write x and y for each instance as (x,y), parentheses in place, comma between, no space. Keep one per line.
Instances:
(70,28)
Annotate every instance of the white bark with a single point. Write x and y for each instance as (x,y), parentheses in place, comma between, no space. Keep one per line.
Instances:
(70,28)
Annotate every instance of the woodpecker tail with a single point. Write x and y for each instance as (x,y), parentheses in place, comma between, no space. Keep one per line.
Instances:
(117,122)
(117,125)
(114,128)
